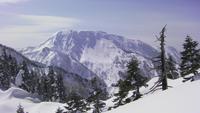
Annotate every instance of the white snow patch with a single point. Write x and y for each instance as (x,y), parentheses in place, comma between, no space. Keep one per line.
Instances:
(182,98)
(11,98)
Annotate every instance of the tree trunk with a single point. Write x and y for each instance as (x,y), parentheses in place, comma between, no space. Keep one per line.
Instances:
(163,62)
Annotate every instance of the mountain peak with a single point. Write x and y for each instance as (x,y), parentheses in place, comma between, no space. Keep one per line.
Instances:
(93,52)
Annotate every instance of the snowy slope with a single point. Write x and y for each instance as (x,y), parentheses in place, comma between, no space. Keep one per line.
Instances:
(90,53)
(11,98)
(182,98)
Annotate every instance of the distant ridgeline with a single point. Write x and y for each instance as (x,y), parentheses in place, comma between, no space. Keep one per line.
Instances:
(48,82)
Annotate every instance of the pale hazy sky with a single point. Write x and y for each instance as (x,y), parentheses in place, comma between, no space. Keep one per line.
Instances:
(29,22)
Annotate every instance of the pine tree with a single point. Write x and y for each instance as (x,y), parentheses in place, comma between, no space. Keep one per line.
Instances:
(190,57)
(47,94)
(95,97)
(133,81)
(124,87)
(52,84)
(76,104)
(13,68)
(33,82)
(172,71)
(20,109)
(47,86)
(5,78)
(8,70)
(60,89)
(25,77)
(1,73)
(42,88)
(135,77)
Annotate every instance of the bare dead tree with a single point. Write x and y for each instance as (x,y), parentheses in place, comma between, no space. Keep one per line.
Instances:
(161,61)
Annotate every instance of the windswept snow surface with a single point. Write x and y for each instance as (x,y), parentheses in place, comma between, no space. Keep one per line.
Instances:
(11,98)
(182,98)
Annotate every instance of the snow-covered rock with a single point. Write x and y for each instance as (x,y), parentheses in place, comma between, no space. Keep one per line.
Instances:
(90,53)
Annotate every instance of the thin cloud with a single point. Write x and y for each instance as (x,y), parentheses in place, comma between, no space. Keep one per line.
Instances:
(34,27)
(35,24)
(11,1)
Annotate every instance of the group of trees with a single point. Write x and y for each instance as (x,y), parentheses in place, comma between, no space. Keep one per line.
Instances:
(165,66)
(8,70)
(94,102)
(49,86)
(190,62)
(133,81)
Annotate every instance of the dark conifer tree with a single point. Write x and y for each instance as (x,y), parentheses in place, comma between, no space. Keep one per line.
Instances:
(13,68)
(76,104)
(42,88)
(47,92)
(60,89)
(190,57)
(133,81)
(51,86)
(1,73)
(20,109)
(33,82)
(96,96)
(51,82)
(26,77)
(8,70)
(56,88)
(124,88)
(5,78)
(135,77)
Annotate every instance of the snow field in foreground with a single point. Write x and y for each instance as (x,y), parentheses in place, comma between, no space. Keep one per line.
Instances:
(182,98)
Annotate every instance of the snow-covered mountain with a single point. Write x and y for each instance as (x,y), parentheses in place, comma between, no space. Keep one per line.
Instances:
(90,53)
